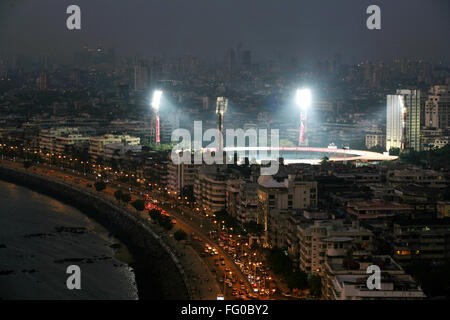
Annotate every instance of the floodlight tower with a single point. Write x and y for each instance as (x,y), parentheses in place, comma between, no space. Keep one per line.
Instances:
(303,100)
(155,106)
(221,109)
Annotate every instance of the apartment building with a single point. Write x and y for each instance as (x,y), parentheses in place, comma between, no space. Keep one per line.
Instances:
(375,139)
(428,178)
(180,176)
(210,188)
(97,148)
(47,137)
(376,208)
(64,142)
(323,238)
(346,279)
(284,193)
(119,150)
(247,210)
(421,239)
(232,197)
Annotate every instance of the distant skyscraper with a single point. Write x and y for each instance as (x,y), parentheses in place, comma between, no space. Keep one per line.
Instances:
(403,120)
(437,108)
(246,59)
(230,64)
(42,81)
(230,60)
(140,77)
(205,103)
(413,103)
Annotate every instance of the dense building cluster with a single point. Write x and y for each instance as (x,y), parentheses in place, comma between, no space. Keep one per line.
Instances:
(332,220)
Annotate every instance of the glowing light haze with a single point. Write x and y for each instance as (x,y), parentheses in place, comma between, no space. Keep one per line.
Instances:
(156,99)
(303,98)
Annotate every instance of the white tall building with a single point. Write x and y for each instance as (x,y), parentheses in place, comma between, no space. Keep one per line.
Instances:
(394,121)
(403,120)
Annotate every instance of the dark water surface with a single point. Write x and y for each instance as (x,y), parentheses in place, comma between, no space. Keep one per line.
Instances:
(40,237)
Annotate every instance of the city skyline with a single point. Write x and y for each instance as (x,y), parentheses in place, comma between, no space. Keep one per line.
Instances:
(305,31)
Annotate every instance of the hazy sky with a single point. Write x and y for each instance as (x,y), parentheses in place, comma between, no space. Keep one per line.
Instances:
(302,28)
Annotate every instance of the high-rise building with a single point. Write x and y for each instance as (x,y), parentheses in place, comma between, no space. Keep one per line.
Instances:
(247,60)
(403,120)
(205,103)
(437,108)
(42,81)
(394,122)
(413,103)
(140,77)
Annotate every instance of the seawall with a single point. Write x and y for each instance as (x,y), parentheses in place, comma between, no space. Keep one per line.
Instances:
(159,274)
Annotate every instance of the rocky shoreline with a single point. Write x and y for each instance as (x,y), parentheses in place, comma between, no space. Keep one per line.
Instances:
(158,273)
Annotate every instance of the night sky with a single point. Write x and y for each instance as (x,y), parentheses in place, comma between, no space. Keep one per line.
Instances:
(308,30)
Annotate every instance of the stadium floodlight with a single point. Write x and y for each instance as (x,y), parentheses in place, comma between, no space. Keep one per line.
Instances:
(156,99)
(221,109)
(221,105)
(155,105)
(303,98)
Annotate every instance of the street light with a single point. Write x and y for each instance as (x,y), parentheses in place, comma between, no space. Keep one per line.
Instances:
(303,100)
(156,100)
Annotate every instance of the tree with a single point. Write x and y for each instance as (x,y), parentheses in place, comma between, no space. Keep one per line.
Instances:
(154,212)
(279,262)
(298,279)
(138,204)
(163,220)
(394,151)
(100,185)
(180,235)
(377,148)
(253,228)
(126,197)
(324,160)
(315,284)
(26,164)
(118,195)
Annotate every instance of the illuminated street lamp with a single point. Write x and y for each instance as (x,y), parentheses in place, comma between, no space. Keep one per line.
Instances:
(303,100)
(156,100)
